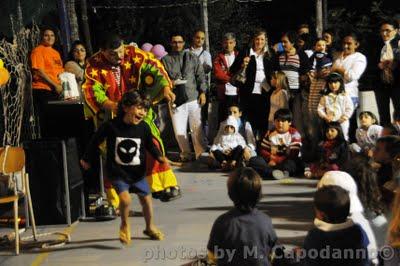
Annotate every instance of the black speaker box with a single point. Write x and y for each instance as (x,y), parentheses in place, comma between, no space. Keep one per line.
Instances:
(56,181)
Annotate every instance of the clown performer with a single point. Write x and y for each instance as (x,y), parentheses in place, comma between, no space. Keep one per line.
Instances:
(112,71)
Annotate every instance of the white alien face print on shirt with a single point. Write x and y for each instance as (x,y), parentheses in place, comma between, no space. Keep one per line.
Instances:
(127,151)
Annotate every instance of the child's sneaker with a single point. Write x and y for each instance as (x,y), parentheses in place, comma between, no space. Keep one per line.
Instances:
(278,174)
(154,234)
(307,172)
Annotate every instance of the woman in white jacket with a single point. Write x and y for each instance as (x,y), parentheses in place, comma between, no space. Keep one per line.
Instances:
(336,105)
(228,147)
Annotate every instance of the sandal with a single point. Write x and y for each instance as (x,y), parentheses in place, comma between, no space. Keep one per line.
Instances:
(125,236)
(155,234)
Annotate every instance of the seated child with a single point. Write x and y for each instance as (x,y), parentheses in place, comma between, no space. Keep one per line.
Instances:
(356,213)
(279,149)
(335,236)
(244,129)
(127,137)
(333,152)
(228,147)
(243,228)
(366,134)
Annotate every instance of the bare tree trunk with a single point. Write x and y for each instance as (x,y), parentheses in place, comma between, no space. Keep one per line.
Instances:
(319,20)
(73,19)
(85,27)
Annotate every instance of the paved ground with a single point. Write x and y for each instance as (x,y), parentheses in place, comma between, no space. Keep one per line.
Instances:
(186,223)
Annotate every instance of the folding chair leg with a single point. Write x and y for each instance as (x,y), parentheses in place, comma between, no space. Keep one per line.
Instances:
(16,227)
(31,214)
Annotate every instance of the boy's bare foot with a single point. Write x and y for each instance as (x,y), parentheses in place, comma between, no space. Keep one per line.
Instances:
(154,233)
(125,235)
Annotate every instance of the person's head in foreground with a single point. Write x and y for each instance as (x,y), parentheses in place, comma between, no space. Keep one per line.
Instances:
(244,188)
(346,182)
(332,204)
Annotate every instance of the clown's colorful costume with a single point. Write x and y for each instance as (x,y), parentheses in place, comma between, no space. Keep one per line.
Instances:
(138,70)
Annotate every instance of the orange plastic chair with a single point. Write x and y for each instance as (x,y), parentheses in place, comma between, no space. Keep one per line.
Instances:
(12,161)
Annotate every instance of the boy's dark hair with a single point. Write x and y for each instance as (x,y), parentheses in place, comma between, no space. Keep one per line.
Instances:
(283,115)
(132,98)
(110,40)
(336,125)
(174,34)
(244,188)
(334,203)
(334,77)
(370,114)
(390,21)
(392,145)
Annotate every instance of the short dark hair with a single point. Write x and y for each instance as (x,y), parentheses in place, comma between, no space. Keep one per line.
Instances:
(392,145)
(333,202)
(110,40)
(390,21)
(132,98)
(244,188)
(370,114)
(45,28)
(283,115)
(174,34)
(334,77)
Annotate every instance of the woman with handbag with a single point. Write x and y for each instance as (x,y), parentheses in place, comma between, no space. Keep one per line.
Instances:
(252,72)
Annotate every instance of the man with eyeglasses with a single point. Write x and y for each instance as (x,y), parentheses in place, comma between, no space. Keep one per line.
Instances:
(389,71)
(188,78)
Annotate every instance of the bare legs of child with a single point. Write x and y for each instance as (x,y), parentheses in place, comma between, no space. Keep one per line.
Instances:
(147,206)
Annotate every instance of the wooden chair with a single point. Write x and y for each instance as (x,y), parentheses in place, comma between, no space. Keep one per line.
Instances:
(12,161)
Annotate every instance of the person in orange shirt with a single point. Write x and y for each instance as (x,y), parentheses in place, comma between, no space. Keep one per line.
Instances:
(46,66)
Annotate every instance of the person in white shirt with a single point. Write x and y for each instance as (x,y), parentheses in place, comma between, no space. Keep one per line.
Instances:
(254,91)
(367,134)
(336,105)
(351,65)
(227,93)
(389,71)
(228,146)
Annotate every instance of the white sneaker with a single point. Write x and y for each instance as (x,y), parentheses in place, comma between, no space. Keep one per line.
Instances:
(278,174)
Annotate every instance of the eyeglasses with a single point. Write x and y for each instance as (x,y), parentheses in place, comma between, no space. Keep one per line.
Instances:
(79,50)
(177,42)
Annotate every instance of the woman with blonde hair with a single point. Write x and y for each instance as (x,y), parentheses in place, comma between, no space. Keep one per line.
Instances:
(255,63)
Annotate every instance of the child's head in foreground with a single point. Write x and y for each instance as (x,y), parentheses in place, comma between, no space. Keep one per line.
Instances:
(244,188)
(332,204)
